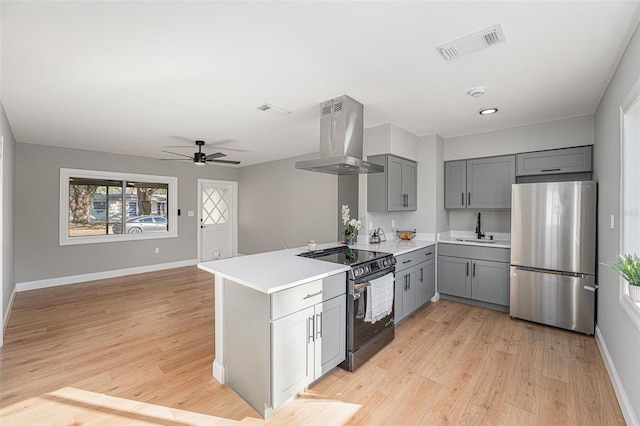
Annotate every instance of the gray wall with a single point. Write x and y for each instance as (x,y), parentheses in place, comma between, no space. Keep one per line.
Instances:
(563,133)
(280,206)
(38,254)
(7,152)
(620,335)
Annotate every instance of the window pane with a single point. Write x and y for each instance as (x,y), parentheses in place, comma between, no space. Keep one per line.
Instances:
(146,201)
(98,206)
(88,201)
(215,206)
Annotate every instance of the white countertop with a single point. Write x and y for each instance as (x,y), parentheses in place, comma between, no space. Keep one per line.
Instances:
(395,246)
(502,240)
(273,271)
(278,270)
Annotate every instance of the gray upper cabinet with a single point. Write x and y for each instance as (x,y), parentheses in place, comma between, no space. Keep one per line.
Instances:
(455,180)
(396,188)
(480,183)
(555,161)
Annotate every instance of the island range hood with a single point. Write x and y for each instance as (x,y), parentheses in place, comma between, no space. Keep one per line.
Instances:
(341,140)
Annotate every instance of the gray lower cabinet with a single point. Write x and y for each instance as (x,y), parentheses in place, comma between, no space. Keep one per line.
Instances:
(395,189)
(475,273)
(415,281)
(479,183)
(275,345)
(454,277)
(306,345)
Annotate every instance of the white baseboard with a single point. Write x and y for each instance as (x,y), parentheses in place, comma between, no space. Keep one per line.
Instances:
(625,405)
(5,319)
(74,279)
(218,371)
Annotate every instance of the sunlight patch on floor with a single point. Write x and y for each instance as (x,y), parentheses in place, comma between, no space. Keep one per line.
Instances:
(77,406)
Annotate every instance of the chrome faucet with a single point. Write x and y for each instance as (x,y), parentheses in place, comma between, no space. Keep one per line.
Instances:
(479,233)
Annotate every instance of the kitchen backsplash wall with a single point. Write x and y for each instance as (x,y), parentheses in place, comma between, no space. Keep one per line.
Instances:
(491,220)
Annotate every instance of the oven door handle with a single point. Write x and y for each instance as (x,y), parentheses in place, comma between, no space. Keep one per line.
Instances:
(361,286)
(379,274)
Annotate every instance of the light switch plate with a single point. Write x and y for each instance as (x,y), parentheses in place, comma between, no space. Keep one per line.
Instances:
(190,213)
(612,224)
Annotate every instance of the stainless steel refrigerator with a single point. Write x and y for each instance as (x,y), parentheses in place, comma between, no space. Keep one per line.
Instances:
(553,254)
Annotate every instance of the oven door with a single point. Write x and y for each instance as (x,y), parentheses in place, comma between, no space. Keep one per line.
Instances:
(363,331)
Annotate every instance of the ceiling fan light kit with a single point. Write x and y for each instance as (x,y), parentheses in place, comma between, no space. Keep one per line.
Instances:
(200,158)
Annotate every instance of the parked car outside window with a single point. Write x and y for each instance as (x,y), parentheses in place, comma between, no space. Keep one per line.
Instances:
(139,224)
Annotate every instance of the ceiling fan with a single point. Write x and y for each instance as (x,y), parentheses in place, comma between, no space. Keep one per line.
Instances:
(200,158)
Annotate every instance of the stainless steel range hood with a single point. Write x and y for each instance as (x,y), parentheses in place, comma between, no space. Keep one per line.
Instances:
(341,140)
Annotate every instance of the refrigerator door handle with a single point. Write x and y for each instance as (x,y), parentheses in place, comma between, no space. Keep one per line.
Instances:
(594,288)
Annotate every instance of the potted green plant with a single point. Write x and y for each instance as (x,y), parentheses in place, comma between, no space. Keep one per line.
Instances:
(628,266)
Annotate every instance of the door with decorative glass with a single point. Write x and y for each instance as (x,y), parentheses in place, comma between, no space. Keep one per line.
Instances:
(217,219)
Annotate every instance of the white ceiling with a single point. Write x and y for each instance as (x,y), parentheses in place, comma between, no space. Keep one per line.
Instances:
(132,77)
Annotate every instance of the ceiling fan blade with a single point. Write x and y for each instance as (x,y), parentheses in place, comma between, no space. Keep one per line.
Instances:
(224,148)
(181,155)
(178,146)
(175,159)
(182,138)
(215,155)
(223,161)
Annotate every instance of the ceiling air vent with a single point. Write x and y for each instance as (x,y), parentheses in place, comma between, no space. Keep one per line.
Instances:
(472,42)
(273,109)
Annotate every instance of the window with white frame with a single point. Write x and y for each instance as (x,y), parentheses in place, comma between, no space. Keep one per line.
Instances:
(629,199)
(98,206)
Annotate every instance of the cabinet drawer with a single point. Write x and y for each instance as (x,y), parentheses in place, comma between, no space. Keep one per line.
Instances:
(413,258)
(296,298)
(474,252)
(302,296)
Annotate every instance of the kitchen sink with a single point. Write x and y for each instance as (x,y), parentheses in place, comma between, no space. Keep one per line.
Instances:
(475,240)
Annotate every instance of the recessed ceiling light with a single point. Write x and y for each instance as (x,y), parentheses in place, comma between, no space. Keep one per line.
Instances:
(488,111)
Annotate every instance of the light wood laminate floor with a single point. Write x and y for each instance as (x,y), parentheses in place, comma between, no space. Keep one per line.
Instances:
(138,350)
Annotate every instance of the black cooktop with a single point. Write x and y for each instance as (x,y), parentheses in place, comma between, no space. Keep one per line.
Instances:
(345,255)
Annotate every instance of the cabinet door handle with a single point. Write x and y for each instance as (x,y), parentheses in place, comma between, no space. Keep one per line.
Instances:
(311,329)
(406,282)
(550,170)
(421,275)
(468,199)
(467,268)
(309,296)
(428,254)
(462,198)
(407,261)
(319,325)
(409,279)
(474,269)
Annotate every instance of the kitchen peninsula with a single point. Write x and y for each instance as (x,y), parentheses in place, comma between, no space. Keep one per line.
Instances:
(264,303)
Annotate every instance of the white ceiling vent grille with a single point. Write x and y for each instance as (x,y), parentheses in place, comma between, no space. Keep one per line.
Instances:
(476,41)
(273,109)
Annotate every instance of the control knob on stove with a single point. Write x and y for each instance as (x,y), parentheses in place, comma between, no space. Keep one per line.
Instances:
(386,263)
